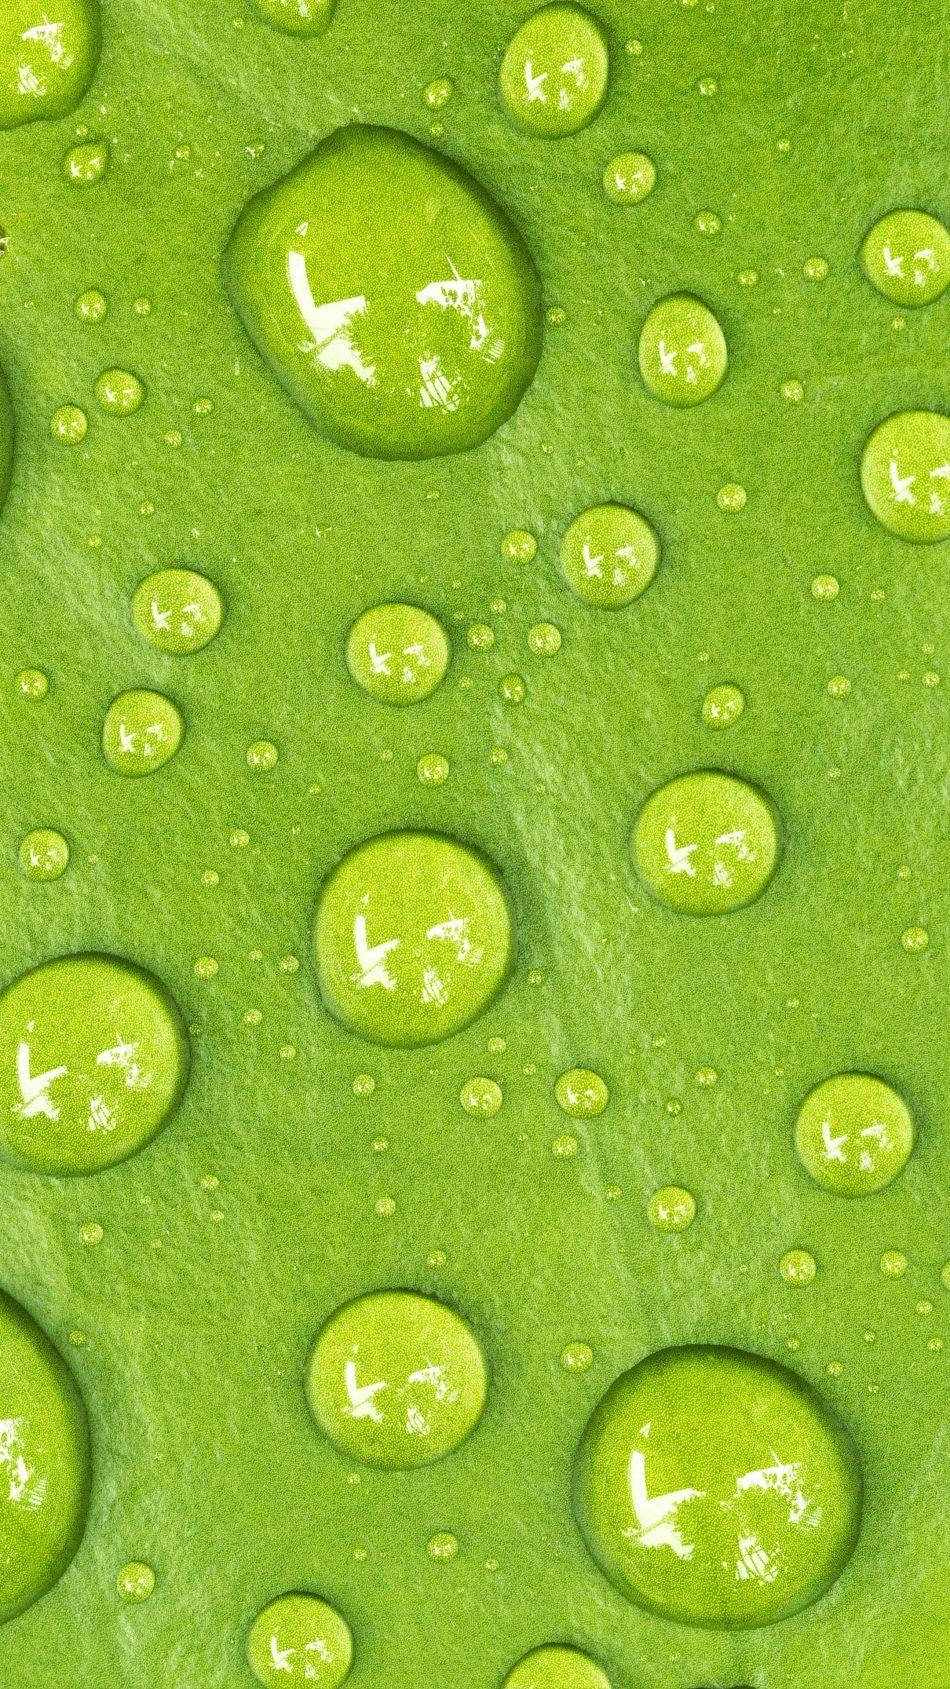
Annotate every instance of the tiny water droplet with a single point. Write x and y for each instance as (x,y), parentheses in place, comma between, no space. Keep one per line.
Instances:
(798,1267)
(671,1209)
(69,424)
(577,1357)
(44,854)
(629,178)
(854,1134)
(906,256)
(722,705)
(825,588)
(32,684)
(544,639)
(87,163)
(91,306)
(442,1546)
(119,392)
(261,756)
(177,610)
(142,730)
(136,1581)
(732,496)
(300,1634)
(682,352)
(481,1096)
(519,546)
(397,653)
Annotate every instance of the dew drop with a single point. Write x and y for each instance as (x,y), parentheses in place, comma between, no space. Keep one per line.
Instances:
(553,77)
(339,274)
(906,256)
(609,555)
(177,610)
(556,1667)
(397,653)
(299,1638)
(854,1134)
(544,639)
(793,391)
(706,843)
(581,1093)
(415,1361)
(481,637)
(433,769)
(723,704)
(119,392)
(683,356)
(512,689)
(481,1096)
(708,223)
(904,475)
(442,1546)
(262,756)
(45,68)
(732,496)
(577,1357)
(142,730)
(815,269)
(69,424)
(87,163)
(671,1209)
(111,1045)
(32,684)
(519,546)
(747,1538)
(438,93)
(44,854)
(91,306)
(91,1233)
(825,588)
(136,1581)
(798,1267)
(914,939)
(629,178)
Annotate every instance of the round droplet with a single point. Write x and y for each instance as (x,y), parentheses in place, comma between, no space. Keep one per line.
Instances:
(854,1134)
(87,163)
(905,475)
(177,610)
(706,843)
(671,1209)
(544,639)
(300,1639)
(907,257)
(683,355)
(825,588)
(893,1263)
(91,306)
(69,424)
(47,57)
(609,555)
(413,938)
(715,1488)
(396,1379)
(44,1452)
(438,92)
(93,1060)
(391,296)
(442,1546)
(577,1357)
(553,76)
(433,769)
(512,688)
(142,730)
(732,496)
(262,756)
(398,653)
(723,704)
(798,1266)
(298,17)
(32,684)
(519,546)
(629,178)
(556,1668)
(481,1096)
(136,1581)
(119,392)
(581,1093)
(44,854)
(815,269)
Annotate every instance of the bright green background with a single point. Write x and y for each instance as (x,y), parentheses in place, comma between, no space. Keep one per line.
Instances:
(198,1332)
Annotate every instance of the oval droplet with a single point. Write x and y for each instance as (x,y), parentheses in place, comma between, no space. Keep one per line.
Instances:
(413,938)
(609,555)
(46,62)
(396,1379)
(119,392)
(581,1093)
(390,294)
(906,256)
(556,1668)
(177,610)
(629,178)
(397,653)
(715,1488)
(44,854)
(298,17)
(141,731)
(723,704)
(299,1638)
(86,164)
(905,475)
(683,356)
(854,1134)
(706,843)
(554,74)
(671,1209)
(93,1060)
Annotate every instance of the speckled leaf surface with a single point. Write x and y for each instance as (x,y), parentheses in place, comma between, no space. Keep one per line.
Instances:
(200,1306)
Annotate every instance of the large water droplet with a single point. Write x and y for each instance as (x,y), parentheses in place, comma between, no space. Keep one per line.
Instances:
(390,294)
(907,257)
(44,1452)
(397,652)
(47,57)
(683,356)
(177,610)
(554,73)
(141,731)
(413,937)
(905,475)
(609,555)
(93,1059)
(556,1668)
(300,1639)
(706,843)
(714,1487)
(298,17)
(854,1134)
(396,1379)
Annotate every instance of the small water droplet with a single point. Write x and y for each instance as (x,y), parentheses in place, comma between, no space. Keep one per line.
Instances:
(261,756)
(397,653)
(581,1093)
(854,1134)
(519,546)
(87,163)
(45,66)
(119,392)
(629,178)
(142,730)
(91,306)
(903,475)
(300,1629)
(815,269)
(44,854)
(825,588)
(554,73)
(706,843)
(732,496)
(798,1267)
(298,17)
(512,688)
(609,555)
(481,1096)
(136,1581)
(544,639)
(32,684)
(671,1209)
(793,391)
(69,424)
(481,637)
(177,610)
(577,1357)
(442,1546)
(722,705)
(906,256)
(915,939)
(556,1668)
(708,223)
(438,93)
(682,353)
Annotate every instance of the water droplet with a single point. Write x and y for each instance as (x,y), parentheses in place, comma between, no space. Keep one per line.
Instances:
(339,274)
(945,1275)
(519,546)
(609,555)
(748,278)
(136,1581)
(708,87)
(91,306)
(46,1455)
(904,475)
(914,939)
(364,1085)
(798,1267)
(556,1668)
(94,1060)
(839,686)
(119,392)
(706,843)
(793,391)
(553,77)
(262,756)
(629,178)
(825,588)
(91,1233)
(142,307)
(481,637)
(44,854)
(397,653)
(45,67)
(32,684)
(299,1638)
(481,1096)
(723,704)
(512,688)
(206,967)
(686,1505)
(396,1379)
(442,1546)
(683,356)
(433,769)
(142,730)
(854,1134)
(732,496)
(671,1209)
(893,1263)
(413,938)
(577,1357)
(69,424)
(438,93)
(544,639)
(708,223)
(815,269)
(177,610)
(86,164)
(906,256)
(581,1093)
